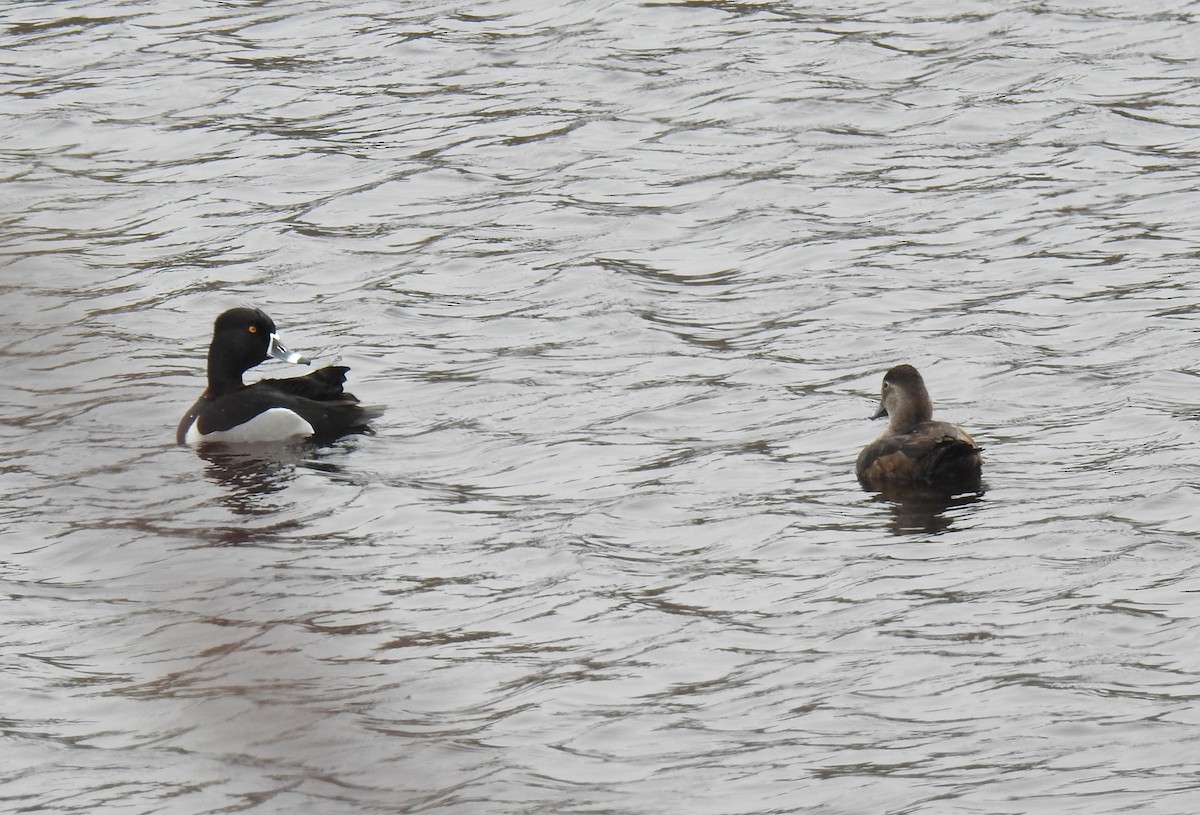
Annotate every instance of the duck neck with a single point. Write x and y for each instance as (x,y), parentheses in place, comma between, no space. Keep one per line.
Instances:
(910,412)
(221,379)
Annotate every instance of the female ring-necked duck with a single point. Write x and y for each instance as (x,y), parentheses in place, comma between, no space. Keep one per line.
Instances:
(914,448)
(271,410)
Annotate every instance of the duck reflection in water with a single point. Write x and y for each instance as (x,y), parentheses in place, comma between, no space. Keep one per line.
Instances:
(920,465)
(252,473)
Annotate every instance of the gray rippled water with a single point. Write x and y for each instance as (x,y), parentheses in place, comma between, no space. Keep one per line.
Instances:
(626,276)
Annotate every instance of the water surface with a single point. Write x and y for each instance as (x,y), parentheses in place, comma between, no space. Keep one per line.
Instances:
(626,277)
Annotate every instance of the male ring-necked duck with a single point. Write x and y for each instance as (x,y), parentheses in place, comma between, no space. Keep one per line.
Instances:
(273,409)
(914,448)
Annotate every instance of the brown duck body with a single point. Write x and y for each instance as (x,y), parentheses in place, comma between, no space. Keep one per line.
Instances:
(915,448)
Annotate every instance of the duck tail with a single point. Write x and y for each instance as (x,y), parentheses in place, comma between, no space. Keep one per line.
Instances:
(954,460)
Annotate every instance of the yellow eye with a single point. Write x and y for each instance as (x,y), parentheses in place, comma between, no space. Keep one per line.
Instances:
(253,329)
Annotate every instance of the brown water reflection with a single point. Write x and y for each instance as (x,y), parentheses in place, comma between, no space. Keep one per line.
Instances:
(920,509)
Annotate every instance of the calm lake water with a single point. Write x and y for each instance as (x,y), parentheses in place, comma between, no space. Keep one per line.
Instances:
(626,276)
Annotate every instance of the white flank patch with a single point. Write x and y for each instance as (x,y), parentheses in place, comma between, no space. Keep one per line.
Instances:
(275,424)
